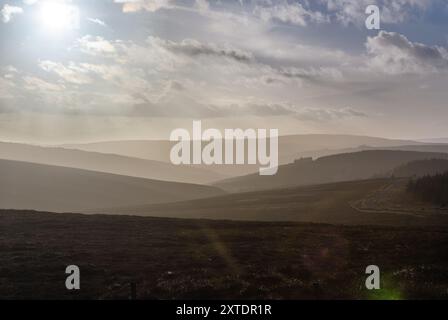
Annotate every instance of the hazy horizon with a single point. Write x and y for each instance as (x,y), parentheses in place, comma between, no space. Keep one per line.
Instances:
(62,143)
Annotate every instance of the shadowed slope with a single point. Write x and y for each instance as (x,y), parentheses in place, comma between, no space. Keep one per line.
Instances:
(41,187)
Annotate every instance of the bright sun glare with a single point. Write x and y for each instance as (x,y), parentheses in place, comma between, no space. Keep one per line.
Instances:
(57,16)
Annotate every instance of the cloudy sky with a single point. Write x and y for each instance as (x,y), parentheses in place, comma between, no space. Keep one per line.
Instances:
(83,70)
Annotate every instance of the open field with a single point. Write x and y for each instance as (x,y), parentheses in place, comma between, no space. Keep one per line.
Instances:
(172,258)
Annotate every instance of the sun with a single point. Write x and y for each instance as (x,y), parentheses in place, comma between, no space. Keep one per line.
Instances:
(58,16)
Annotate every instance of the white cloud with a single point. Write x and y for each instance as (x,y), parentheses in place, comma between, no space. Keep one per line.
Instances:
(30,2)
(35,83)
(97,21)
(392,11)
(289,13)
(299,12)
(393,53)
(203,5)
(148,5)
(95,45)
(70,73)
(8,12)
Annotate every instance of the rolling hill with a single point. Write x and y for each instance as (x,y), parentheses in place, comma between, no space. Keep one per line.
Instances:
(290,148)
(42,187)
(327,203)
(435,140)
(341,167)
(422,168)
(322,203)
(108,163)
(439,148)
(367,202)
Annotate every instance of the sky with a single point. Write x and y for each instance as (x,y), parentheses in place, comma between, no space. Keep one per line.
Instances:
(96,70)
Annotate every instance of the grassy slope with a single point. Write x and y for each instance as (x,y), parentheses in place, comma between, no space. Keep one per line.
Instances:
(328,203)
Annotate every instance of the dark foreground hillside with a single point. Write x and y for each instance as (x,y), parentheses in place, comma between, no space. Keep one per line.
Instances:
(173,258)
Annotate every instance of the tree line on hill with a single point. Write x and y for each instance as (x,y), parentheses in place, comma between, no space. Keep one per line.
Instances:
(431,188)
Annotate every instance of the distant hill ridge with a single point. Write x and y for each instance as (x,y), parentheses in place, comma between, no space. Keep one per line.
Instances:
(422,168)
(109,163)
(335,168)
(291,147)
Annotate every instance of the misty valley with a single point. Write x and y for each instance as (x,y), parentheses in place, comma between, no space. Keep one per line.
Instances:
(321,221)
